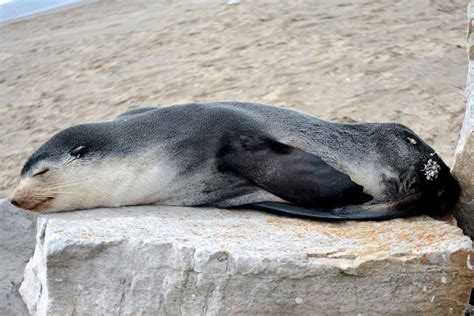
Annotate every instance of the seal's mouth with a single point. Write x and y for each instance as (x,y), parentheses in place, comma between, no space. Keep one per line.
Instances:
(37,206)
(41,205)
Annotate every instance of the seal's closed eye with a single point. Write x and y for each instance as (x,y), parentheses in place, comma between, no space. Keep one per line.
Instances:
(42,171)
(78,152)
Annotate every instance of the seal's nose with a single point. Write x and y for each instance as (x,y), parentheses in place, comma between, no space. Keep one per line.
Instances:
(14,202)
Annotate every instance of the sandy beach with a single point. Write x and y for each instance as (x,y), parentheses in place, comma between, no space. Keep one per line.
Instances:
(348,61)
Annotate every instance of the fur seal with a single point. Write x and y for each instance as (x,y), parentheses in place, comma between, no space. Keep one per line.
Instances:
(230,154)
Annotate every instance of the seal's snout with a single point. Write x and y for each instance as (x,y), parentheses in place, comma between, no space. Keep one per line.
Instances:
(14,202)
(34,204)
(29,197)
(19,202)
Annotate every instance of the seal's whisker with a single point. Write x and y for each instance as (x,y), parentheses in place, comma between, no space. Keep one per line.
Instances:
(66,192)
(52,188)
(40,196)
(36,200)
(68,184)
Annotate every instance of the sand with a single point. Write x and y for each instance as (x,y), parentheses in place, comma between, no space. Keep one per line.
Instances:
(349,61)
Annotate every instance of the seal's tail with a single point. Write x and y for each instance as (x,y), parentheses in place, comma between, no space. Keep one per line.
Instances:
(404,207)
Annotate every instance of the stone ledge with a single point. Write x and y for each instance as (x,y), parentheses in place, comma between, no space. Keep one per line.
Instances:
(165,260)
(17,242)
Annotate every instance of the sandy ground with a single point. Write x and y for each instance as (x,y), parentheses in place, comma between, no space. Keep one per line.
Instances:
(352,61)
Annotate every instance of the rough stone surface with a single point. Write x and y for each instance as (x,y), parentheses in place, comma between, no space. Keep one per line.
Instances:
(463,166)
(188,261)
(17,242)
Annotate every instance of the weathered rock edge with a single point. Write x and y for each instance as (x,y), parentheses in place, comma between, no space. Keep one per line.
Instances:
(463,167)
(188,261)
(17,242)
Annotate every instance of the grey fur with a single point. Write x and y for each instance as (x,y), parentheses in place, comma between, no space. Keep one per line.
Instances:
(386,159)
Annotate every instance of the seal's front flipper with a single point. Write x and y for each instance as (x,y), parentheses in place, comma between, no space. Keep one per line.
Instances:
(293,174)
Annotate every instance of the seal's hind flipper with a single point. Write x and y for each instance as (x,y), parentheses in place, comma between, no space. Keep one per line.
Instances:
(291,173)
(293,210)
(408,205)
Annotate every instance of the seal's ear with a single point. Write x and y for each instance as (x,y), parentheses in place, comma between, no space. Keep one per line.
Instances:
(78,152)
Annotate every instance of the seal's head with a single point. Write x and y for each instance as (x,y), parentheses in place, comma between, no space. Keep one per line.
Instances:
(58,173)
(424,174)
(84,166)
